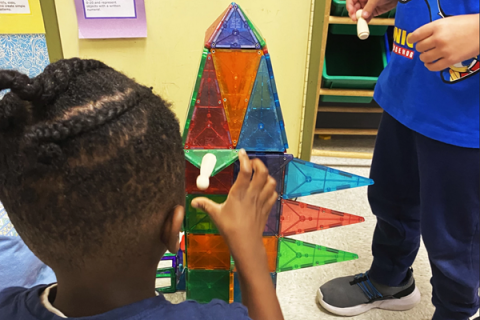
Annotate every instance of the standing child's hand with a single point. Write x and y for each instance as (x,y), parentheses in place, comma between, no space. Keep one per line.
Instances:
(445,42)
(241,219)
(371,8)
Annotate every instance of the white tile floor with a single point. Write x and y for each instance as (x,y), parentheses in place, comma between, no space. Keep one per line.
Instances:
(297,289)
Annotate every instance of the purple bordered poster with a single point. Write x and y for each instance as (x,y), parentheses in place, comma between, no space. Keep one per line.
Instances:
(103,19)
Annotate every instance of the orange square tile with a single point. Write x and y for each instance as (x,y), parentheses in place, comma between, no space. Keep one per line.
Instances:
(207,251)
(271,244)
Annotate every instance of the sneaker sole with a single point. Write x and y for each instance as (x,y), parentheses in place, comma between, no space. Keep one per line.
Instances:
(402,304)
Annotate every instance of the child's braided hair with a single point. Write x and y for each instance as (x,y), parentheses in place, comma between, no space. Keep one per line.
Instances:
(86,155)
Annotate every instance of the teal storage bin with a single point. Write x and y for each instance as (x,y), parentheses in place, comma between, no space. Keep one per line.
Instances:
(351,63)
(339,9)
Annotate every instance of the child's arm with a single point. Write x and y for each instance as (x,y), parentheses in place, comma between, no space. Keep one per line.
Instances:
(445,42)
(241,220)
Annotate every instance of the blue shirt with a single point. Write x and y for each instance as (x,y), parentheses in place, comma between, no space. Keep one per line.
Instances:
(18,265)
(444,105)
(24,304)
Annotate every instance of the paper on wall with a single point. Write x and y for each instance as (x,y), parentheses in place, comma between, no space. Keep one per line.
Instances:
(103,19)
(21,17)
(14,7)
(109,9)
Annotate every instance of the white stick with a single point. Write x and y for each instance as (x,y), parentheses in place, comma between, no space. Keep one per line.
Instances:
(363,31)
(206,168)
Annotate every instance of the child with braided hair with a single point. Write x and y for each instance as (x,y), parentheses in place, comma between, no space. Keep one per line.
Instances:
(92,176)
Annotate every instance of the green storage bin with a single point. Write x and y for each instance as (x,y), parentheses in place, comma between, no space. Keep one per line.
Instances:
(351,63)
(339,9)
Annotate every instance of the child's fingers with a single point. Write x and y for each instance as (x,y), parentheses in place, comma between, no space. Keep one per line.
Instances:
(439,65)
(425,45)
(259,179)
(422,33)
(207,205)
(431,56)
(245,174)
(267,191)
(351,9)
(369,9)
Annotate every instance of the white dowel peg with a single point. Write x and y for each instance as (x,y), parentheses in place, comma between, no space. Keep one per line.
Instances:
(363,31)
(206,168)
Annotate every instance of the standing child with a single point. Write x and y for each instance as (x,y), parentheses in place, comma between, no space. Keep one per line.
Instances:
(92,174)
(425,165)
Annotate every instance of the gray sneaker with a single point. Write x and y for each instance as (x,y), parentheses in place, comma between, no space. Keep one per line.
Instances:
(351,296)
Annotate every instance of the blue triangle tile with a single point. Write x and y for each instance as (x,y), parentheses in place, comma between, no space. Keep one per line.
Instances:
(277,101)
(235,33)
(261,129)
(304,178)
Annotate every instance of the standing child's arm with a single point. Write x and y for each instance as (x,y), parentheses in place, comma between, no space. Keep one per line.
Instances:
(445,42)
(241,220)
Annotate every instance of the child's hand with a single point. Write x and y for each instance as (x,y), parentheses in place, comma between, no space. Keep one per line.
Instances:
(445,42)
(241,219)
(371,8)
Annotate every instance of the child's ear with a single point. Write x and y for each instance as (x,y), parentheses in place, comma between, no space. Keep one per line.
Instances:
(171,229)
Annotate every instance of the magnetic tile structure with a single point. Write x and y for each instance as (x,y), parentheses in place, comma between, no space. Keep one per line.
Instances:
(234,105)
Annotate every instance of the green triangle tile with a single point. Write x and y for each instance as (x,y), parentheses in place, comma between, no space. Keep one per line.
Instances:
(224,157)
(294,254)
(255,30)
(191,107)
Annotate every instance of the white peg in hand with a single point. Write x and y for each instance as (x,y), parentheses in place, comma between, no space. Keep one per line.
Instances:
(362,26)
(206,168)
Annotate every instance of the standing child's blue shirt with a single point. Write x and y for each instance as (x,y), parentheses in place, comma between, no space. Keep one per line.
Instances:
(443,106)
(25,304)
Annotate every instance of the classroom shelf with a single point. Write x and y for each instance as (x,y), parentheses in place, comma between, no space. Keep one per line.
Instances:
(341,108)
(347,132)
(373,22)
(349,109)
(345,26)
(346,92)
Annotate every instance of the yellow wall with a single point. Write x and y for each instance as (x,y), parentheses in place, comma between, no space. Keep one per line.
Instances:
(168,59)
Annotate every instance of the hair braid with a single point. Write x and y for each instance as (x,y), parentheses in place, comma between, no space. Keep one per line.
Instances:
(82,122)
(57,77)
(11,106)
(41,90)
(18,83)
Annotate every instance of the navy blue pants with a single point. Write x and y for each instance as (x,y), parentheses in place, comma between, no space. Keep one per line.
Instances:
(430,189)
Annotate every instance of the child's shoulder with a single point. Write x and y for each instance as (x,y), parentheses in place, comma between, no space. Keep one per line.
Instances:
(12,303)
(216,309)
(25,304)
